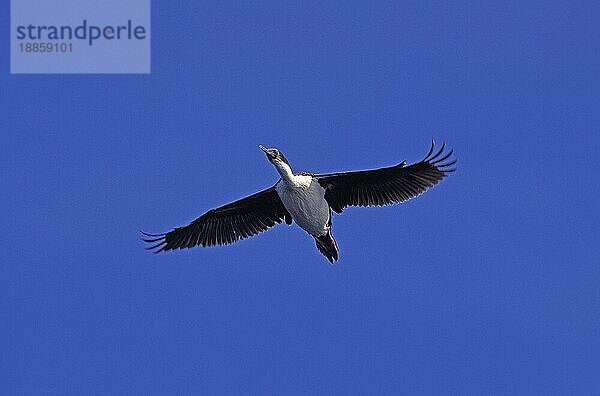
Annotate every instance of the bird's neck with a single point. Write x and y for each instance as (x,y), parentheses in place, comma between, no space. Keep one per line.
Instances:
(285,171)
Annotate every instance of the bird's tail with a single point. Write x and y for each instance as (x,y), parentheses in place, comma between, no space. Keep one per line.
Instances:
(327,246)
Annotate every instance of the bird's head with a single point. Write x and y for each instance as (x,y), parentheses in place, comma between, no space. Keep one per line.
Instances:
(274,155)
(277,158)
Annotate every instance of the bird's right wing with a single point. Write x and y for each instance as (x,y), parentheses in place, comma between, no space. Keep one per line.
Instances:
(227,224)
(386,186)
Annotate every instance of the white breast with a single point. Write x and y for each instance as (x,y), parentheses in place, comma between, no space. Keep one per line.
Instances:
(305,200)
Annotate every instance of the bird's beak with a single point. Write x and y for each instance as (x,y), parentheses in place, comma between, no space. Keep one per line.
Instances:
(263,148)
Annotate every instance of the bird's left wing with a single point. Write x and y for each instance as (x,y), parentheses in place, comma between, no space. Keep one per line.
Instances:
(386,186)
(227,224)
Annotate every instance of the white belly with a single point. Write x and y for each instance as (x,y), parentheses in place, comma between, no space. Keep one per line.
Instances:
(306,203)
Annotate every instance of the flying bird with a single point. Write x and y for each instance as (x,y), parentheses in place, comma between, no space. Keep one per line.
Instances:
(308,199)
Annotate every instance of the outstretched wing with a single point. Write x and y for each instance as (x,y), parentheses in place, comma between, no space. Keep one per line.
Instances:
(227,224)
(386,186)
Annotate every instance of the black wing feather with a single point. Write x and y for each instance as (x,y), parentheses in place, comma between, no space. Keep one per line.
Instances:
(389,185)
(225,225)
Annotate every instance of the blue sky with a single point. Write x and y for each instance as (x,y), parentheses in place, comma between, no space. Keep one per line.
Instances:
(487,284)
